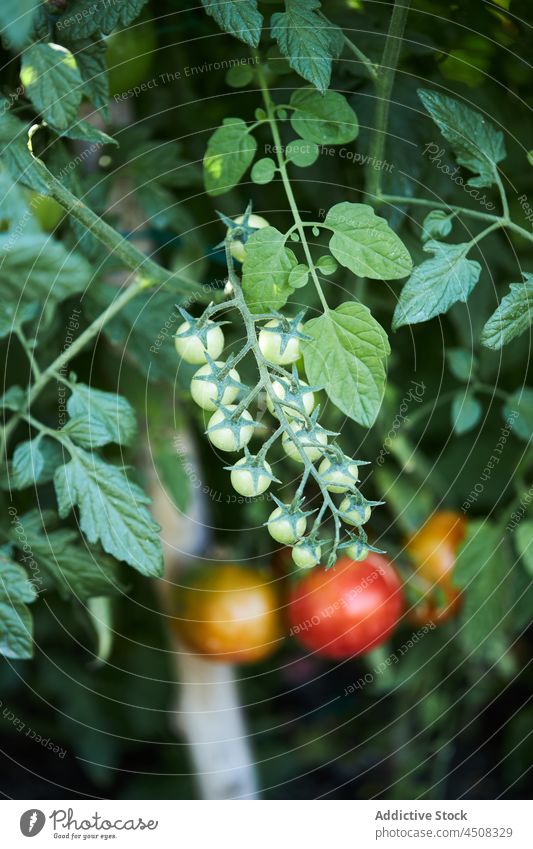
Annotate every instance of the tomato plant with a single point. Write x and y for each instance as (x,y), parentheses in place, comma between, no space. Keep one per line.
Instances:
(230,613)
(349,610)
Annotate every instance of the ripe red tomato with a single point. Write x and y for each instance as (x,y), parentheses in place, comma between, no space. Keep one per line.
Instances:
(347,610)
(433,550)
(230,613)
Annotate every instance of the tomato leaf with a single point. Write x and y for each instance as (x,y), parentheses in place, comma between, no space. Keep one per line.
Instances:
(111,510)
(364,243)
(229,153)
(240,18)
(476,143)
(307,40)
(436,284)
(39,268)
(22,166)
(91,61)
(99,417)
(461,363)
(16,628)
(323,118)
(346,356)
(521,403)
(524,543)
(466,412)
(266,270)
(53,83)
(16,20)
(437,224)
(84,17)
(513,316)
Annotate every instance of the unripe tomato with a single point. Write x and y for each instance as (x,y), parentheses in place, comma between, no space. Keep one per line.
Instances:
(312,452)
(224,437)
(238,248)
(306,555)
(248,484)
(338,480)
(270,345)
(192,349)
(355,512)
(230,613)
(347,610)
(204,391)
(281,389)
(47,211)
(433,550)
(283,530)
(130,55)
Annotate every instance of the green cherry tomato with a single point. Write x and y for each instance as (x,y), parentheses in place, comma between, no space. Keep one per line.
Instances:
(335,479)
(192,349)
(283,530)
(355,513)
(270,345)
(306,555)
(248,484)
(238,248)
(130,56)
(204,392)
(227,439)
(281,389)
(312,452)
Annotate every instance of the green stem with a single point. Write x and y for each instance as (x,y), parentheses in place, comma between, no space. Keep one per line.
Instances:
(270,109)
(370,66)
(384,84)
(120,247)
(19,333)
(400,200)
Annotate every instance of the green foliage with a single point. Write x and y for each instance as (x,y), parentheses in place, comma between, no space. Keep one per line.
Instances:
(363,242)
(437,225)
(466,412)
(521,402)
(513,316)
(229,153)
(85,17)
(308,40)
(323,118)
(97,418)
(36,268)
(266,270)
(476,143)
(240,18)
(112,510)
(16,20)
(53,83)
(34,462)
(347,357)
(16,592)
(523,537)
(437,284)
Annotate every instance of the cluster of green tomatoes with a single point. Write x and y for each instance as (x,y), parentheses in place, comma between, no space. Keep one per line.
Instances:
(216,387)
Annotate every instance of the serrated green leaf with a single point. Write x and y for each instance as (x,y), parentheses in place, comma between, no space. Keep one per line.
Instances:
(461,363)
(13,398)
(16,156)
(466,412)
(86,132)
(307,40)
(363,242)
(85,17)
(523,536)
(436,284)
(437,224)
(99,417)
(53,83)
(266,269)
(16,20)
(90,58)
(513,316)
(346,356)
(476,143)
(229,153)
(323,118)
(74,568)
(112,511)
(521,403)
(240,18)
(36,267)
(34,462)
(16,628)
